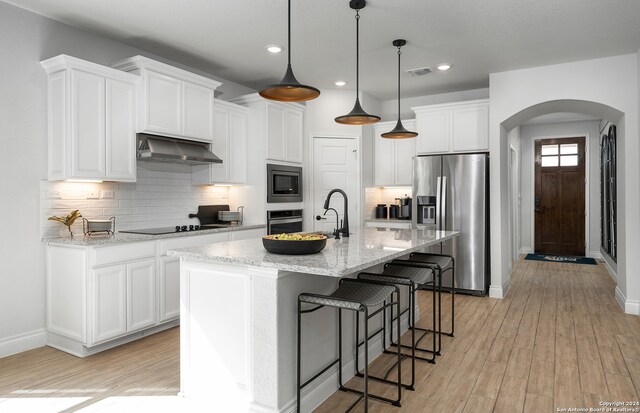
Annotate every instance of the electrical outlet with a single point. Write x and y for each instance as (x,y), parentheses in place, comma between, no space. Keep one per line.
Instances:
(93,195)
(54,195)
(106,194)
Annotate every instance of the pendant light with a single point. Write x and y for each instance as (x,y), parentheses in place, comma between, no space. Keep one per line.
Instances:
(357,116)
(289,89)
(399,132)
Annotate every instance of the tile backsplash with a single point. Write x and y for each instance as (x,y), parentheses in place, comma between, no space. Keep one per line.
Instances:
(158,199)
(386,195)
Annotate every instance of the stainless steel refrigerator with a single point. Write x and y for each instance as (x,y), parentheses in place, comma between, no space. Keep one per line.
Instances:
(451,192)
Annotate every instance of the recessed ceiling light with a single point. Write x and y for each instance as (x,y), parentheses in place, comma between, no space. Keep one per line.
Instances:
(274,48)
(444,66)
(341,83)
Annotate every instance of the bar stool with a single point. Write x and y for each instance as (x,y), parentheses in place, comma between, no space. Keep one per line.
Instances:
(414,276)
(441,263)
(358,296)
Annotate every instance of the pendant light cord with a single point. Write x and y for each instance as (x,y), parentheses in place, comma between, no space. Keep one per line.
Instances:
(399,53)
(289,34)
(357,54)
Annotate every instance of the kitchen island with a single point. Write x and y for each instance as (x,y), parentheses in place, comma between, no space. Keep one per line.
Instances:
(238,316)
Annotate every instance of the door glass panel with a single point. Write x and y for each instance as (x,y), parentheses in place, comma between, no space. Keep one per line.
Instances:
(568,149)
(549,150)
(549,161)
(568,160)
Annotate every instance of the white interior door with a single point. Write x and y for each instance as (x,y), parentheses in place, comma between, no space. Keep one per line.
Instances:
(335,165)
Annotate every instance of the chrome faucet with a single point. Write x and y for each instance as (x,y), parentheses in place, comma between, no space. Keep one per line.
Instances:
(345,225)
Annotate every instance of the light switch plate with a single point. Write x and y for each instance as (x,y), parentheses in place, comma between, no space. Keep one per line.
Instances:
(106,194)
(54,195)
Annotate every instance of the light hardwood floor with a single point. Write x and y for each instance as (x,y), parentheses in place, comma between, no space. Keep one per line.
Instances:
(559,339)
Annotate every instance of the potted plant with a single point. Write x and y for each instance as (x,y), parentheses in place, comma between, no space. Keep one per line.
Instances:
(68,220)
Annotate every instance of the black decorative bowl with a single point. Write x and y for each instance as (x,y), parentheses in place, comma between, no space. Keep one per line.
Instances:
(294,247)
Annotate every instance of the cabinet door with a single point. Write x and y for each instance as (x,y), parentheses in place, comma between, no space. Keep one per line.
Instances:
(169,303)
(87,125)
(238,148)
(384,159)
(108,303)
(405,150)
(120,131)
(220,146)
(197,112)
(141,294)
(275,132)
(471,128)
(434,131)
(294,134)
(163,100)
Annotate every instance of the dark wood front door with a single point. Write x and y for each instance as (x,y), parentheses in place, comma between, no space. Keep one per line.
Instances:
(559,196)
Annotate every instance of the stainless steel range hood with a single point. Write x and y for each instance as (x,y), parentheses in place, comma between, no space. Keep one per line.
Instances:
(164,149)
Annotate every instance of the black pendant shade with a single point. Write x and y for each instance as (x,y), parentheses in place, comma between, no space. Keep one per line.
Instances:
(357,116)
(289,89)
(399,132)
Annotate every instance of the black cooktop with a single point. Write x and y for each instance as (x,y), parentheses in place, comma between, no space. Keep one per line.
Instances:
(177,228)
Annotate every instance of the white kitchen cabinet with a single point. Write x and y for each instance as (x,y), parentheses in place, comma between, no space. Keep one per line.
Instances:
(108,303)
(393,157)
(141,295)
(91,118)
(173,102)
(453,127)
(280,125)
(169,288)
(230,144)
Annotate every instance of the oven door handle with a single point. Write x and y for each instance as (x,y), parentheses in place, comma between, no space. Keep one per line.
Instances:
(284,220)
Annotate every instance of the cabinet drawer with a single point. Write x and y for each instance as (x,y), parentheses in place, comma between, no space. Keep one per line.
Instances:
(192,241)
(123,253)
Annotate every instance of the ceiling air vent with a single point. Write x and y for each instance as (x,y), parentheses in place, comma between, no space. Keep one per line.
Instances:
(419,71)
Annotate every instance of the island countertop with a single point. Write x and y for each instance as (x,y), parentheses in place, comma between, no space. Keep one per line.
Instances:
(363,249)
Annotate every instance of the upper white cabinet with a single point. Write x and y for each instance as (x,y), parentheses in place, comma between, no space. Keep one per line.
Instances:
(453,127)
(91,121)
(393,157)
(173,102)
(229,143)
(281,125)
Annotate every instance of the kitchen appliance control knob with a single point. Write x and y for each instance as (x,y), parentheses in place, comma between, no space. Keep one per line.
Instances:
(196,227)
(177,228)
(183,228)
(190,227)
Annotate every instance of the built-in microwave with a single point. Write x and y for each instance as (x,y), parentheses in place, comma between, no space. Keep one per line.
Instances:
(284,183)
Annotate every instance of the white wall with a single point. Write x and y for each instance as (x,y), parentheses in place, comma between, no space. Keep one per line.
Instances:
(519,95)
(515,194)
(529,134)
(389,108)
(25,40)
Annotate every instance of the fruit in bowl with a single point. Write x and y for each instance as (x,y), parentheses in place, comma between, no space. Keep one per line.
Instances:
(294,244)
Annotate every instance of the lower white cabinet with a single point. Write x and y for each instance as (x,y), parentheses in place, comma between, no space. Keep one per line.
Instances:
(102,296)
(141,295)
(169,288)
(108,303)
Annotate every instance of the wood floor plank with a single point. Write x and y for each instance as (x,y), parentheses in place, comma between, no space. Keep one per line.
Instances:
(541,379)
(535,403)
(512,395)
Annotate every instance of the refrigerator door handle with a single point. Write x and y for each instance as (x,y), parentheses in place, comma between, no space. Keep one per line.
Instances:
(443,203)
(439,203)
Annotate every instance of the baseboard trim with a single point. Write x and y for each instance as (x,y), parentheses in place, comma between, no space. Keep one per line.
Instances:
(612,273)
(328,382)
(23,342)
(527,250)
(500,291)
(595,255)
(628,306)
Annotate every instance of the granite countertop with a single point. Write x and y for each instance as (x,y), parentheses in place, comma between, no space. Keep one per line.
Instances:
(394,220)
(366,248)
(123,238)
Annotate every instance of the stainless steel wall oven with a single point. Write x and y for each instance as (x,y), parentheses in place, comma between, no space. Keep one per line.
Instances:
(284,222)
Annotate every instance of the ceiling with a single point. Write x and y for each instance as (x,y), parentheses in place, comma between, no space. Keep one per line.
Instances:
(228,37)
